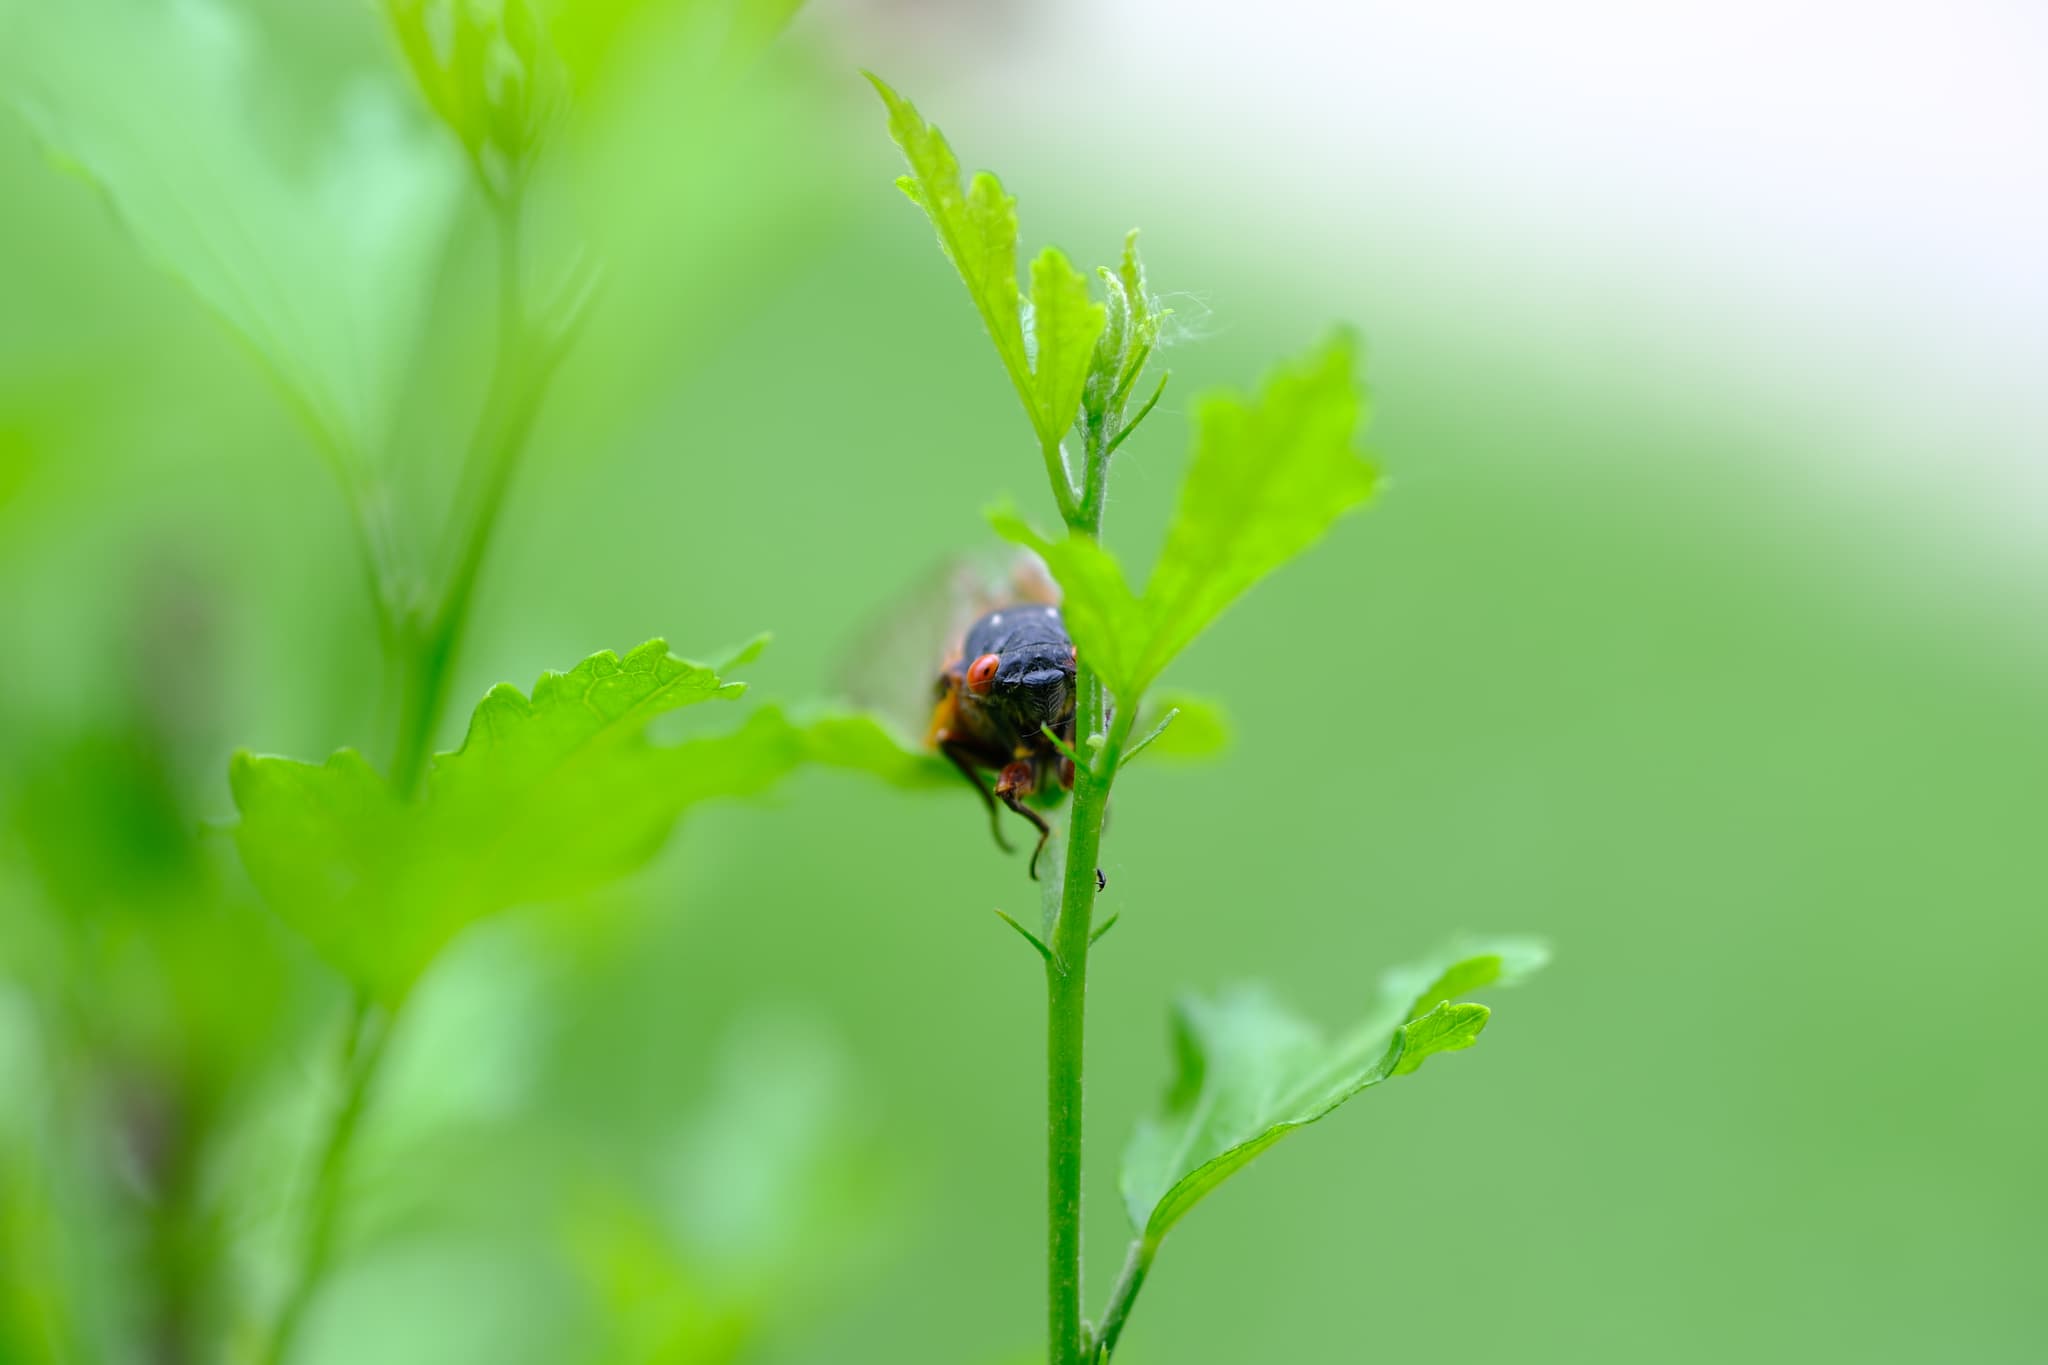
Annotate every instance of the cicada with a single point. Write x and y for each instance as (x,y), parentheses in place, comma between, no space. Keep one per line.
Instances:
(979,657)
(1000,700)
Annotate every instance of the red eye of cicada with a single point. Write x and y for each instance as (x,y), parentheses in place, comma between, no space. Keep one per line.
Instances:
(982,672)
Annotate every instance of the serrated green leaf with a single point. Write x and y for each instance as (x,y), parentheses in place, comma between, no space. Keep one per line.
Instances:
(977,231)
(1249,1072)
(1447,1028)
(1462,967)
(1065,323)
(320,255)
(1269,477)
(549,795)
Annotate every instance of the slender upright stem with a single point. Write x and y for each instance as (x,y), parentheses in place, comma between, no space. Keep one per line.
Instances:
(362,1051)
(1066,977)
(519,379)
(1066,982)
(1066,987)
(1063,491)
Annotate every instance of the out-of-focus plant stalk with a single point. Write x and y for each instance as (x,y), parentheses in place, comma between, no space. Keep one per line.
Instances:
(361,1052)
(422,652)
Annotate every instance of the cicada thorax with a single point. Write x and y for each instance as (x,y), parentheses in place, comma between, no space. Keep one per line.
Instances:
(890,658)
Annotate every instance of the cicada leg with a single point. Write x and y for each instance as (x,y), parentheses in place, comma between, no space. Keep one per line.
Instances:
(1016,782)
(961,760)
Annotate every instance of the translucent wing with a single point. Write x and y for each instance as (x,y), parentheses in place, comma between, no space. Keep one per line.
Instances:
(892,662)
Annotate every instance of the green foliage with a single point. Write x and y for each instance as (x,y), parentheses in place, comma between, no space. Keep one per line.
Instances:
(767,1190)
(1065,323)
(548,796)
(1249,1072)
(1189,727)
(977,230)
(1129,336)
(152,105)
(487,72)
(858,742)
(1269,477)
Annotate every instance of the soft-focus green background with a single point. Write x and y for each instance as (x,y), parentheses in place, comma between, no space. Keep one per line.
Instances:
(1629,655)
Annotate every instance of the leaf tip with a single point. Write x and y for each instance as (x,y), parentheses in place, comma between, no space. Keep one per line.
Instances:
(1008,522)
(744,655)
(883,88)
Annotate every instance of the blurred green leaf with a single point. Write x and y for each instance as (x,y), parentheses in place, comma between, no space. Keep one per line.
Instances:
(548,795)
(319,254)
(760,1200)
(978,232)
(1250,1072)
(858,742)
(1269,477)
(487,71)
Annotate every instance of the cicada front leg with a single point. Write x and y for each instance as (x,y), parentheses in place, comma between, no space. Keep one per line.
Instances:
(1018,780)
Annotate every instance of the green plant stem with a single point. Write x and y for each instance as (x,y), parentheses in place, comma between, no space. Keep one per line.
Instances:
(1066,991)
(1089,511)
(519,381)
(1066,976)
(362,1053)
(1062,482)
(1066,982)
(1136,1266)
